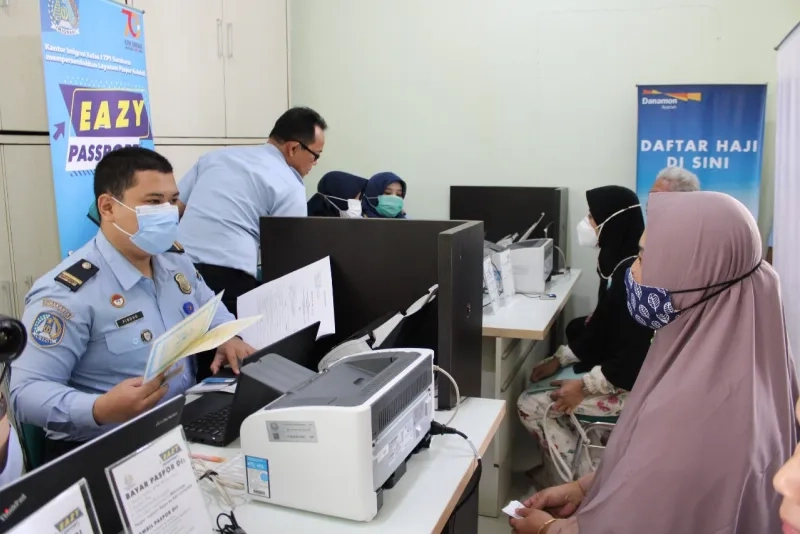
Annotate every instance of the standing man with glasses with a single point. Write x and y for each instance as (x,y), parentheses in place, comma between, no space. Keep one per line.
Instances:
(228,190)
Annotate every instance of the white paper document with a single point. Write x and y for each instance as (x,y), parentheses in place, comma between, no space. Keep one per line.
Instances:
(289,304)
(191,336)
(157,491)
(511,509)
(490,284)
(502,261)
(69,513)
(211,385)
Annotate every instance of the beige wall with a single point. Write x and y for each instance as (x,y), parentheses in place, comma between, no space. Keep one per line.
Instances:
(516,92)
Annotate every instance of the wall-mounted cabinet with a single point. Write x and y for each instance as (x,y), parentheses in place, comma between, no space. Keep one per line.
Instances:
(28,228)
(22,102)
(220,71)
(216,72)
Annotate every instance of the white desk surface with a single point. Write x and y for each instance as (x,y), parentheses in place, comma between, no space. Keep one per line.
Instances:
(527,317)
(422,500)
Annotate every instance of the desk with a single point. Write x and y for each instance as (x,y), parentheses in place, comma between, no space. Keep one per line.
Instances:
(525,317)
(421,502)
(514,340)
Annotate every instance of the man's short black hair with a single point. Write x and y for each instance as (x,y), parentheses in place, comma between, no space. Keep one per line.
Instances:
(298,124)
(116,172)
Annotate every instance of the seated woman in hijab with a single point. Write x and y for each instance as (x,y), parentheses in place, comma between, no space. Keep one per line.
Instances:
(338,195)
(709,421)
(384,197)
(607,348)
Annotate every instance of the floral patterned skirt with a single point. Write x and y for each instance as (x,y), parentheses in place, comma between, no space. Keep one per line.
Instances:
(560,430)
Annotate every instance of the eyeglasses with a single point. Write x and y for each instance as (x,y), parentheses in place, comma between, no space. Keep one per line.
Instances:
(315,154)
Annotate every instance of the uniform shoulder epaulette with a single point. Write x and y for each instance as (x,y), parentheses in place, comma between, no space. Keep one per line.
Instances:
(177,248)
(78,274)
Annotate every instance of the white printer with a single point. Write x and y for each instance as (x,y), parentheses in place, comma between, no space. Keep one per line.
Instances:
(532,263)
(330,442)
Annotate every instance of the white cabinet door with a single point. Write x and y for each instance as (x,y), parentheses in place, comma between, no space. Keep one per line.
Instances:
(256,69)
(7,299)
(22,102)
(31,215)
(185,67)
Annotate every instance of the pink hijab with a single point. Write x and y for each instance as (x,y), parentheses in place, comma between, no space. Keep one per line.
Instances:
(711,417)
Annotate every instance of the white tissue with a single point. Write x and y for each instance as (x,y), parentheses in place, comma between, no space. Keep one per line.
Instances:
(511,509)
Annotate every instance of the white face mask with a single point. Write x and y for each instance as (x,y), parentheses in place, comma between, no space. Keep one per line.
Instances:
(353,209)
(587,237)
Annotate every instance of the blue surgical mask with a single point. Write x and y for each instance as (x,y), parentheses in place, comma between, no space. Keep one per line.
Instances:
(158,227)
(389,205)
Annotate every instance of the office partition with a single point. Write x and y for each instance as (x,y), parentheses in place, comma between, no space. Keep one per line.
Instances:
(380,266)
(509,210)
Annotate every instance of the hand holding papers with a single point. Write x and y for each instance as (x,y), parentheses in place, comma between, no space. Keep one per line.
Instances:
(289,304)
(191,336)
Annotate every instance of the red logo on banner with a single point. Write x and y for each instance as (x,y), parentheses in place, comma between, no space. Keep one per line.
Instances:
(133,29)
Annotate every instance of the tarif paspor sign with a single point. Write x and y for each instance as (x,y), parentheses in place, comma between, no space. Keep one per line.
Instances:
(97,100)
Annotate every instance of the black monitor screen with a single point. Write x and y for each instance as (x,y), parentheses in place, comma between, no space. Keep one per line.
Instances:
(22,498)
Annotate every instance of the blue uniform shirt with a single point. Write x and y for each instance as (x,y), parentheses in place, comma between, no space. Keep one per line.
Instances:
(226,193)
(82,343)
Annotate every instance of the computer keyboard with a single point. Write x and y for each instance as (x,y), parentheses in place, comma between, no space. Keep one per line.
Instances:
(212,424)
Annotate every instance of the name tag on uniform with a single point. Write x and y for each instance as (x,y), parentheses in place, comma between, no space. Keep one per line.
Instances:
(128,319)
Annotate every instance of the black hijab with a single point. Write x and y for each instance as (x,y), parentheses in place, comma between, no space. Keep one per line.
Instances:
(619,236)
(611,338)
(334,184)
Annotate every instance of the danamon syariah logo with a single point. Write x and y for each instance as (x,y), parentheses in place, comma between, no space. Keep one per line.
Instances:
(652,97)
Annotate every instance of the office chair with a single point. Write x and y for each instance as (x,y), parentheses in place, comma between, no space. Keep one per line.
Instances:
(589,424)
(32,439)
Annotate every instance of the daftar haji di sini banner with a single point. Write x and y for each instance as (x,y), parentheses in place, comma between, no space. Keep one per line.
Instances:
(716,131)
(96,86)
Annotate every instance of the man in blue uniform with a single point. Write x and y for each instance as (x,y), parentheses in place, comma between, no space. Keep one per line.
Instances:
(228,191)
(92,319)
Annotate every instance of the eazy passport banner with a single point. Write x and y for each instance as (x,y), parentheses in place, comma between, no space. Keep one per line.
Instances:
(97,101)
(716,131)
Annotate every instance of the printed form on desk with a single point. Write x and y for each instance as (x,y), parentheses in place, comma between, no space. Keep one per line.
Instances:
(289,304)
